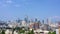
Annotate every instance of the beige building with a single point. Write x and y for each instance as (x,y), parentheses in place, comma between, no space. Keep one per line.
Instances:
(58,31)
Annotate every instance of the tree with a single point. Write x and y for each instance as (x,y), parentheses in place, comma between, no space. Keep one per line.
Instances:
(21,31)
(3,32)
(31,32)
(17,28)
(49,33)
(54,32)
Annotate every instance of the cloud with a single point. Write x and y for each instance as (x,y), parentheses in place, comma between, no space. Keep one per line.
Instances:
(0,3)
(9,1)
(12,3)
(56,16)
(25,0)
(5,3)
(17,5)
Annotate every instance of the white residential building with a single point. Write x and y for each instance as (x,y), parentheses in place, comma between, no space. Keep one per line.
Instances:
(39,31)
(8,31)
(57,31)
(15,32)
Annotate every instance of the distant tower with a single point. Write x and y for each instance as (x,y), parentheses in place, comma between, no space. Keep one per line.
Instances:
(39,21)
(36,19)
(18,20)
(31,20)
(9,21)
(26,19)
(58,24)
(48,21)
(43,21)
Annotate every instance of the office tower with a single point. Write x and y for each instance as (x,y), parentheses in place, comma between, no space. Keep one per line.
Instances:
(36,20)
(26,19)
(48,21)
(31,21)
(58,24)
(18,20)
(43,21)
(39,21)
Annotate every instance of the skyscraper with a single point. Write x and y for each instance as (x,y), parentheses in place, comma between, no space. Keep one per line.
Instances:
(36,19)
(26,19)
(48,21)
(18,20)
(43,21)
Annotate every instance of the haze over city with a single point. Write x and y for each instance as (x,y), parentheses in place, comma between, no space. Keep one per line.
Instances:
(29,16)
(13,9)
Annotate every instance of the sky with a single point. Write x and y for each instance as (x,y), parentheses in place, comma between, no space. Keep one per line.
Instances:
(41,9)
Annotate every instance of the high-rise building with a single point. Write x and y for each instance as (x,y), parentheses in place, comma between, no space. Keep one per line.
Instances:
(26,19)
(18,20)
(48,21)
(43,21)
(36,20)
(58,30)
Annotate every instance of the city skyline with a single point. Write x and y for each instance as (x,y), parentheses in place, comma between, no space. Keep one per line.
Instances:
(41,9)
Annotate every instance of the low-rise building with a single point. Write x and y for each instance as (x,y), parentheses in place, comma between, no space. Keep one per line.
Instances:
(8,31)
